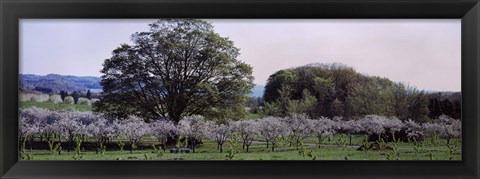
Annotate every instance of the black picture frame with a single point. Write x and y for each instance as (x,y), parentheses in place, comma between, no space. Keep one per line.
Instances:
(13,10)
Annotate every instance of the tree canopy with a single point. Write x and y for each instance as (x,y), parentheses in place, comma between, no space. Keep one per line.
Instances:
(338,90)
(180,67)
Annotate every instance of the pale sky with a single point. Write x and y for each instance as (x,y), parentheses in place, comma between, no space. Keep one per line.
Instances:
(422,53)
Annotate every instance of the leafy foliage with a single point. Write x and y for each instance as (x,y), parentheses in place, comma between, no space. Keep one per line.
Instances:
(338,90)
(181,67)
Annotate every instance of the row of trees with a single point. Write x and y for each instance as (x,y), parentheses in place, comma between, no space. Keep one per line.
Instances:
(338,90)
(77,95)
(56,99)
(75,127)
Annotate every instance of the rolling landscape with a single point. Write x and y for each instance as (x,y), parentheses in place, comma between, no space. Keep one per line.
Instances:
(193,89)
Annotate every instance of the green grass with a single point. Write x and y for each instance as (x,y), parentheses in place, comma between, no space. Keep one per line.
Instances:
(208,151)
(49,105)
(254,116)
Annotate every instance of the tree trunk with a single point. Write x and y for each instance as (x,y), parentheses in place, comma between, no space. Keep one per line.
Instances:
(221,148)
(30,144)
(297,143)
(319,141)
(59,145)
(193,146)
(350,140)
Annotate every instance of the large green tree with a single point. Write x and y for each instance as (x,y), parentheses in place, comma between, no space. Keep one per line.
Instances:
(180,67)
(372,97)
(275,83)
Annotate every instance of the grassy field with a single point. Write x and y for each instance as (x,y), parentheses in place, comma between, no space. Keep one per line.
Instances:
(254,116)
(49,105)
(258,151)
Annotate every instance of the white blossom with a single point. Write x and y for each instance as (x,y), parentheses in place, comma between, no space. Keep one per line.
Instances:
(431,129)
(55,99)
(134,128)
(84,101)
(162,129)
(193,127)
(248,130)
(68,100)
(413,129)
(94,100)
(373,124)
(299,126)
(393,125)
(323,127)
(218,133)
(271,128)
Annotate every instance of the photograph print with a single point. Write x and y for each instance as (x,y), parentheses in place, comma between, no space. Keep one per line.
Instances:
(240,89)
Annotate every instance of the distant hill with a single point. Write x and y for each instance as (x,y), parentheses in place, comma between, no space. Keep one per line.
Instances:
(57,83)
(257,91)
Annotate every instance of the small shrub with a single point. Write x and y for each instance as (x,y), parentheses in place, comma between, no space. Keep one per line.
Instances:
(366,146)
(25,96)
(102,149)
(55,99)
(94,100)
(451,148)
(234,144)
(417,146)
(305,152)
(84,101)
(77,139)
(68,100)
(157,151)
(394,154)
(35,97)
(120,144)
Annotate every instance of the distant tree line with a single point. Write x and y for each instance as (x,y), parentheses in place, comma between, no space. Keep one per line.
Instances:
(338,90)
(76,95)
(57,98)
(445,103)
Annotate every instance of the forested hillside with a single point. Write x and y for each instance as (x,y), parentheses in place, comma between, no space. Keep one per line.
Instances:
(54,83)
(338,90)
